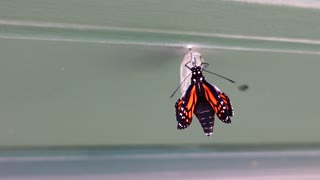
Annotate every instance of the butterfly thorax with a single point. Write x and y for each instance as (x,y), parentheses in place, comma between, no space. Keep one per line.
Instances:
(197,78)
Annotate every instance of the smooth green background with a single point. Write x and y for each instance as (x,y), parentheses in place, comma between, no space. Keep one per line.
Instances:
(101,72)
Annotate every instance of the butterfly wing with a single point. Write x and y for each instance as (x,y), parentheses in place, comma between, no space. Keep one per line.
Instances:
(185,107)
(219,101)
(227,101)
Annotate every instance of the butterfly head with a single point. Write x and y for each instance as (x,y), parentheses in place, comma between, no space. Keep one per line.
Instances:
(197,75)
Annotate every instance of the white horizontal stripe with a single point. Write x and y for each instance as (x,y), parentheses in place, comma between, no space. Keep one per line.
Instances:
(284,176)
(307,4)
(142,30)
(257,154)
(156,176)
(161,44)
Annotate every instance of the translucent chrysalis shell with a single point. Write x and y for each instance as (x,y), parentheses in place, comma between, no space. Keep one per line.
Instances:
(191,59)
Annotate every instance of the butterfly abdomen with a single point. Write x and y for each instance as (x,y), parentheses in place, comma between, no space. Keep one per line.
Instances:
(205,115)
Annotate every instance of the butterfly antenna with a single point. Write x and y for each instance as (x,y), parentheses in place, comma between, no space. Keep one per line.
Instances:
(220,76)
(179,86)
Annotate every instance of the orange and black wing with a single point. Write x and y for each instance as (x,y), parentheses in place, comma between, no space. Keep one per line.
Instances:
(219,101)
(185,107)
(227,101)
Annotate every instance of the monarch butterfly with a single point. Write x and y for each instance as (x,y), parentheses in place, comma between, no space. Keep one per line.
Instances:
(204,100)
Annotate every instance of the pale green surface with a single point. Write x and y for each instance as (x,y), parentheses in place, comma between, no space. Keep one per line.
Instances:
(188,15)
(111,92)
(153,163)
